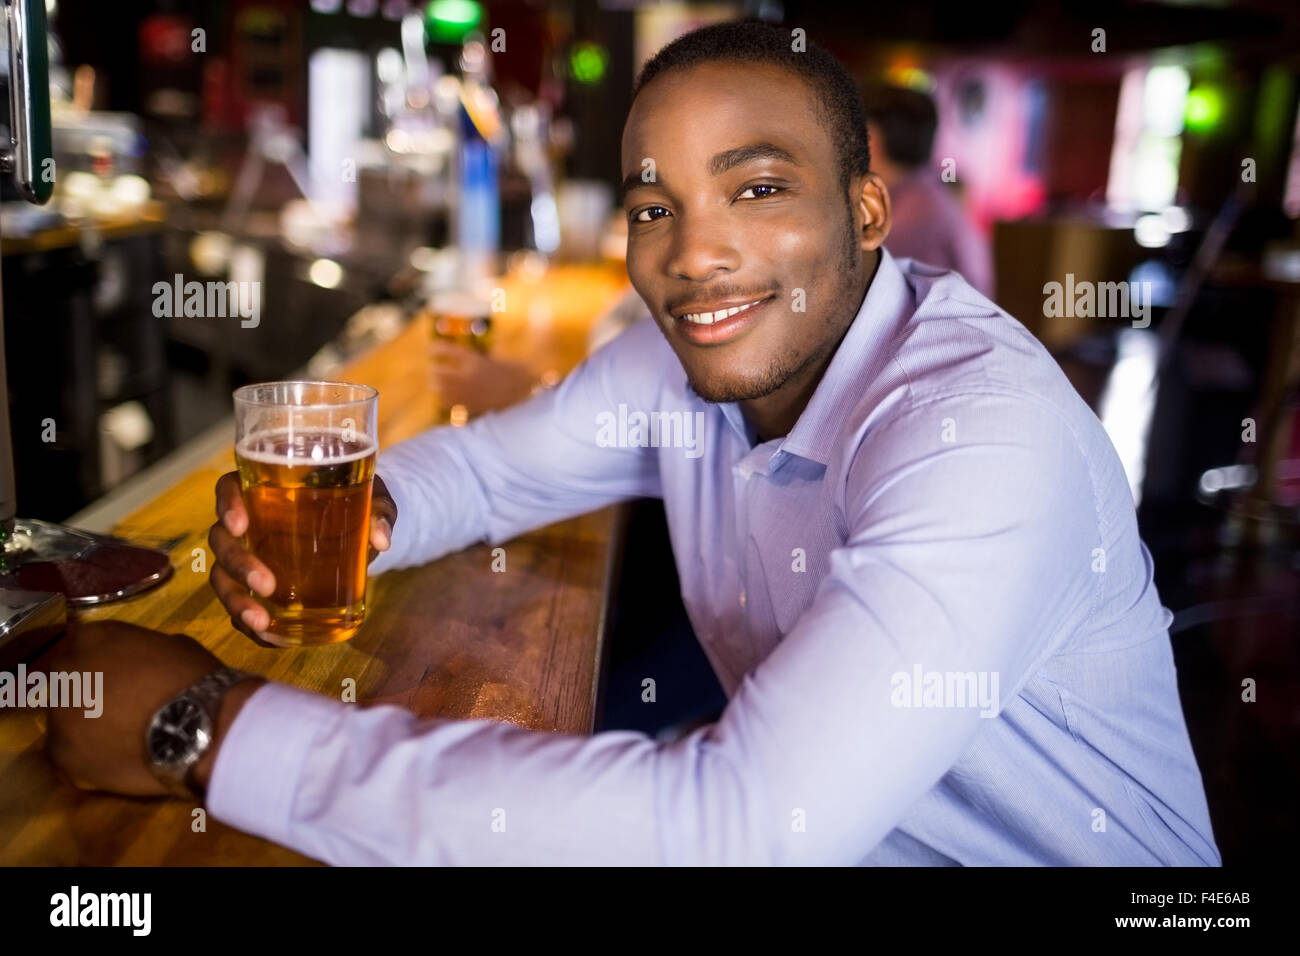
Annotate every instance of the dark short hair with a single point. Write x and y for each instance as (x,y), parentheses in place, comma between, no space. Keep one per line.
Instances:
(750,41)
(906,120)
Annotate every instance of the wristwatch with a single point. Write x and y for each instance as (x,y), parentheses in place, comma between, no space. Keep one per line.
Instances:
(181,730)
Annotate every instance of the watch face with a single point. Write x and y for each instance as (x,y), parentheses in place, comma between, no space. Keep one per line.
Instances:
(179,727)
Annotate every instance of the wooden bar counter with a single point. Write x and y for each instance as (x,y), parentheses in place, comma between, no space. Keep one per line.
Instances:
(451,638)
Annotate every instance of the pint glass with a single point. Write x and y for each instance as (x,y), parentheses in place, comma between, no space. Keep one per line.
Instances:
(465,320)
(306,458)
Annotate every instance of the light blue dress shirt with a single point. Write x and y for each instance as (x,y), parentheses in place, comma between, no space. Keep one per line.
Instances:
(928,605)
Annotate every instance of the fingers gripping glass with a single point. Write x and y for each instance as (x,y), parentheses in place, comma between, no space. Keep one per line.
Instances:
(306,458)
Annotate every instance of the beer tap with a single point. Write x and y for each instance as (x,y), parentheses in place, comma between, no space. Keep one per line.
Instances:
(46,567)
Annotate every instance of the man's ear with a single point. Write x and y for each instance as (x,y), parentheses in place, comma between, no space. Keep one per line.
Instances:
(871,211)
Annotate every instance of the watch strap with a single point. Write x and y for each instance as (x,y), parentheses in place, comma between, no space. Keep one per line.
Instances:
(207,692)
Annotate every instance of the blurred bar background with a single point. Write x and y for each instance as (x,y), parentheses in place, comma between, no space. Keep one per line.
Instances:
(360,163)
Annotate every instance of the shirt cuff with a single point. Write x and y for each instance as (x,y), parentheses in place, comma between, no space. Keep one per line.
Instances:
(260,762)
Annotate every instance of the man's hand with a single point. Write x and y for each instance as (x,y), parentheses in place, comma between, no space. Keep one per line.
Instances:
(142,670)
(462,376)
(236,570)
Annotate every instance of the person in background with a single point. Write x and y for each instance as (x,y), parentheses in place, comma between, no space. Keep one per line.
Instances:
(929,223)
(483,383)
(463,376)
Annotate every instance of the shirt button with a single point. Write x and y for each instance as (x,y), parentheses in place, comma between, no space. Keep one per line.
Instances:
(742,597)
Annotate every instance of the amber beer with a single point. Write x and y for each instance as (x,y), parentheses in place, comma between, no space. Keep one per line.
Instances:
(464,319)
(470,331)
(306,458)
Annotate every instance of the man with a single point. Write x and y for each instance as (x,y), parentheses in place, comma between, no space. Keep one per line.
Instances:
(928,222)
(895,482)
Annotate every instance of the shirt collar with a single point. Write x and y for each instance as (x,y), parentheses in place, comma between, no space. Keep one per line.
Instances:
(861,353)
(734,416)
(887,304)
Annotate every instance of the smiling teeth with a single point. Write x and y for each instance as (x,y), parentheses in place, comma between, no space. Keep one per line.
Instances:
(708,318)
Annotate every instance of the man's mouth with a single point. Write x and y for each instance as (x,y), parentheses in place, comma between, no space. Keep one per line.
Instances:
(714,314)
(711,322)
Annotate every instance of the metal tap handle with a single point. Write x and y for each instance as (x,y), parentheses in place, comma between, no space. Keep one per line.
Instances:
(32,157)
(32,162)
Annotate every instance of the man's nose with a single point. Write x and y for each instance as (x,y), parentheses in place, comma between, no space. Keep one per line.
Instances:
(702,249)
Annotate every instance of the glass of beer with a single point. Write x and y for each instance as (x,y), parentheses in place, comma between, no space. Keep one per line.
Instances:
(457,315)
(306,458)
(467,329)
(464,320)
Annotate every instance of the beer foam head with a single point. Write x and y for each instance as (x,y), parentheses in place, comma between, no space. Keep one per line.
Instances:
(305,446)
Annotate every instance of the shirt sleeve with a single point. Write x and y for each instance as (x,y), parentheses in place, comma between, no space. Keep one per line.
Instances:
(971,528)
(512,471)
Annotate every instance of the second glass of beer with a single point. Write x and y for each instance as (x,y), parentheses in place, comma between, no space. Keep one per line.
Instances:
(306,458)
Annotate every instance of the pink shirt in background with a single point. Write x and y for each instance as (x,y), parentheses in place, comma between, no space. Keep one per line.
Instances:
(929,225)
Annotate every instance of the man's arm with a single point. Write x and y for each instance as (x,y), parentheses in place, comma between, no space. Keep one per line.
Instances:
(530,465)
(962,556)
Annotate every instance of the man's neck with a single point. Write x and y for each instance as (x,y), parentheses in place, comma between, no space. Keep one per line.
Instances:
(774,414)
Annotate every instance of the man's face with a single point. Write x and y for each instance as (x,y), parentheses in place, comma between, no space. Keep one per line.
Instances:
(745,211)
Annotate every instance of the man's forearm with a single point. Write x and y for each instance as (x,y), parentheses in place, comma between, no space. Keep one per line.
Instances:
(492,480)
(440,504)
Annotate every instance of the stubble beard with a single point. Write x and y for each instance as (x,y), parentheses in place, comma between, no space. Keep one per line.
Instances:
(787,366)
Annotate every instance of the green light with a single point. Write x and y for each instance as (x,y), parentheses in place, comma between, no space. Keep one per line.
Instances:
(1204,109)
(447,21)
(587,62)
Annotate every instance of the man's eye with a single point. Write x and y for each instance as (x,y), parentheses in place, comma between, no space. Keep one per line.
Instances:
(649,214)
(761,191)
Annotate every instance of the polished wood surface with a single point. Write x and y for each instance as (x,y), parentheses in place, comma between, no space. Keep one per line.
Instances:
(450,639)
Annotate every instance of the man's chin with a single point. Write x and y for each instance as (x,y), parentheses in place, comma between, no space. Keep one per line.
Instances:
(737,371)
(717,390)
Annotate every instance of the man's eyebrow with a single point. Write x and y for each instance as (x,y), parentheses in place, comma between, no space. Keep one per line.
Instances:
(721,162)
(632,181)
